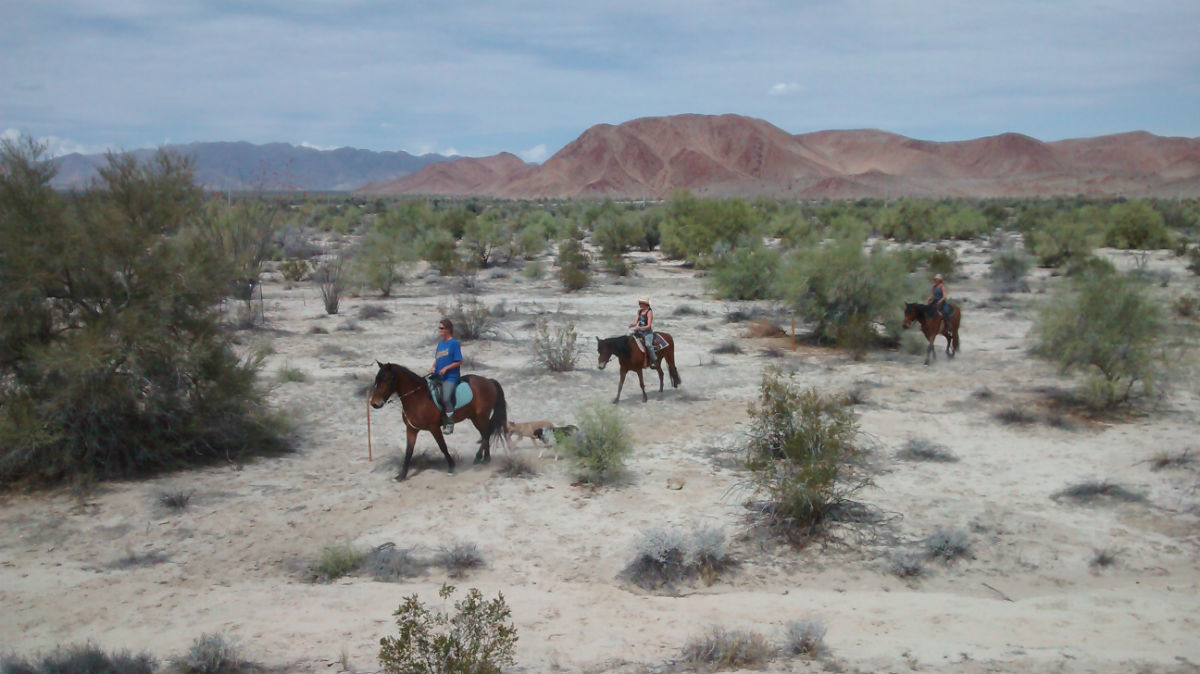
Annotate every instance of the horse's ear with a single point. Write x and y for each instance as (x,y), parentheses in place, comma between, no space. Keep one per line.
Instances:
(597,340)
(378,363)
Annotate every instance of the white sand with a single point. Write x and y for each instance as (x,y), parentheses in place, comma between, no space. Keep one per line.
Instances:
(1027,599)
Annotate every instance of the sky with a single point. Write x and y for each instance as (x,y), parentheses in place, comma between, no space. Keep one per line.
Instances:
(475,78)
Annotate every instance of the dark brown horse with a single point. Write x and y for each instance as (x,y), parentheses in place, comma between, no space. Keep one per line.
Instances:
(631,357)
(487,409)
(932,324)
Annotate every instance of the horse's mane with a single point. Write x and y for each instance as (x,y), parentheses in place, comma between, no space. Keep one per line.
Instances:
(402,371)
(618,345)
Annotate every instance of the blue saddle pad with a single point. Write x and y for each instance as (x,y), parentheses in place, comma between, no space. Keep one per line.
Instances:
(462,394)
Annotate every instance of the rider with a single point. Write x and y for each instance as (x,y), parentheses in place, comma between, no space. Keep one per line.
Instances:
(643,327)
(446,365)
(937,297)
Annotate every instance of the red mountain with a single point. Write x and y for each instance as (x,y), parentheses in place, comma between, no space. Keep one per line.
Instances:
(732,155)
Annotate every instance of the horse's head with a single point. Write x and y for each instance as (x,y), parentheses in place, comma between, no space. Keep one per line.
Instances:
(912,312)
(384,386)
(605,352)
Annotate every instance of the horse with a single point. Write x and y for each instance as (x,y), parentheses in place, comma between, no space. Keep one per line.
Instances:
(487,410)
(625,348)
(932,324)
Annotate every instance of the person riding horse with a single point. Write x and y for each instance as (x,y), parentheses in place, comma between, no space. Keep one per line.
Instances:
(643,327)
(937,297)
(446,370)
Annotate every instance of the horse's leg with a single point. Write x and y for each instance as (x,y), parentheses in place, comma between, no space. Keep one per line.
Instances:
(441,442)
(658,366)
(930,352)
(411,442)
(620,385)
(484,454)
(642,384)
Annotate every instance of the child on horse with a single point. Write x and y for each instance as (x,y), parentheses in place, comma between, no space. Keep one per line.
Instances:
(937,297)
(446,365)
(643,327)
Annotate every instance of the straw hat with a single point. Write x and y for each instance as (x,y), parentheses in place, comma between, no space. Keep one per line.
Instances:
(644,300)
(937,277)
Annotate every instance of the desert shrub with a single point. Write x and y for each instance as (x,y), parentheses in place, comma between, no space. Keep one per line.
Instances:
(1013,414)
(516,465)
(1135,225)
(211,653)
(1009,269)
(746,272)
(573,265)
(294,271)
(80,659)
(336,560)
(801,451)
(616,236)
(1102,558)
(175,499)
(729,347)
(920,449)
(476,638)
(599,448)
(692,227)
(240,234)
(948,544)
(555,348)
(848,294)
(720,649)
(472,319)
(664,557)
(906,564)
(485,238)
(1107,326)
(1193,263)
(942,260)
(533,270)
(291,375)
(804,637)
(387,245)
(1065,239)
(331,283)
(1093,491)
(460,557)
(1186,306)
(115,293)
(387,563)
(370,311)
(1165,459)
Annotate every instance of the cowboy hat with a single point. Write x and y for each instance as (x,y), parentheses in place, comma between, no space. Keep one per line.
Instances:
(644,300)
(937,277)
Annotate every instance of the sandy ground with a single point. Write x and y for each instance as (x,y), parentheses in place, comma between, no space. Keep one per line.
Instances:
(1028,597)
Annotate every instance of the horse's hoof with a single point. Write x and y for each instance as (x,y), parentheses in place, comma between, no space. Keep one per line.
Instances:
(398,478)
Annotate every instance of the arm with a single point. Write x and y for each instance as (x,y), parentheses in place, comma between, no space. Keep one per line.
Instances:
(456,357)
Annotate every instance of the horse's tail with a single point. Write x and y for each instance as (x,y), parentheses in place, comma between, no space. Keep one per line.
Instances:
(670,358)
(498,428)
(957,322)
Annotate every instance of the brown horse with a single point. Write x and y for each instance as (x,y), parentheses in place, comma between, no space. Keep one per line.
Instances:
(487,409)
(932,324)
(625,348)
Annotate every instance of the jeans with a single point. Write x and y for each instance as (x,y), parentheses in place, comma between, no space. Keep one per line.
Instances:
(448,397)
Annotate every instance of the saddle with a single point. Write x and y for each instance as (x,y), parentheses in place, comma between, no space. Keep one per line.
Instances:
(659,343)
(462,393)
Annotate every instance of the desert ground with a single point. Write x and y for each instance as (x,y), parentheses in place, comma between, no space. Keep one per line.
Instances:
(116,568)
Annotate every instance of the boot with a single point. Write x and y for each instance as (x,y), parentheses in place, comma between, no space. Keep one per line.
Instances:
(447,425)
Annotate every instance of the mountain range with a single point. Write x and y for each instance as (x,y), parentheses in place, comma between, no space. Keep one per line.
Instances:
(274,166)
(733,155)
(713,155)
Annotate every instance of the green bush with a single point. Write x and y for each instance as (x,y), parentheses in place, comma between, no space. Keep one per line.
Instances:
(1106,325)
(331,283)
(801,452)
(555,348)
(472,319)
(476,639)
(745,273)
(599,448)
(1065,239)
(112,357)
(573,265)
(1009,268)
(337,560)
(1135,225)
(848,294)
(692,227)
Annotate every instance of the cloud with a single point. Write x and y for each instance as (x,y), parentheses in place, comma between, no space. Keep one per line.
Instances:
(536,154)
(785,89)
(314,146)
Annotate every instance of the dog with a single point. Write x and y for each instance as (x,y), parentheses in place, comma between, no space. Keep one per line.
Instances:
(529,429)
(560,433)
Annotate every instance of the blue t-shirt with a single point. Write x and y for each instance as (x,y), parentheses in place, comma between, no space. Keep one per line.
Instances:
(448,351)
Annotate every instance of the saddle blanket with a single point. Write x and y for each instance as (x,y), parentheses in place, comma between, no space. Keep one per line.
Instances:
(462,394)
(659,342)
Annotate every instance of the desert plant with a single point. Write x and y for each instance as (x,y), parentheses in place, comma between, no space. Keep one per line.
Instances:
(1093,491)
(80,659)
(920,449)
(744,272)
(848,294)
(664,557)
(1009,268)
(947,544)
(211,653)
(516,465)
(905,564)
(460,557)
(729,347)
(1064,240)
(371,311)
(800,454)
(476,638)
(331,284)
(1106,325)
(291,375)
(388,563)
(336,560)
(804,637)
(1165,459)
(1135,225)
(599,448)
(294,271)
(573,265)
(114,290)
(720,649)
(472,319)
(555,348)
(175,499)
(942,260)
(1103,558)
